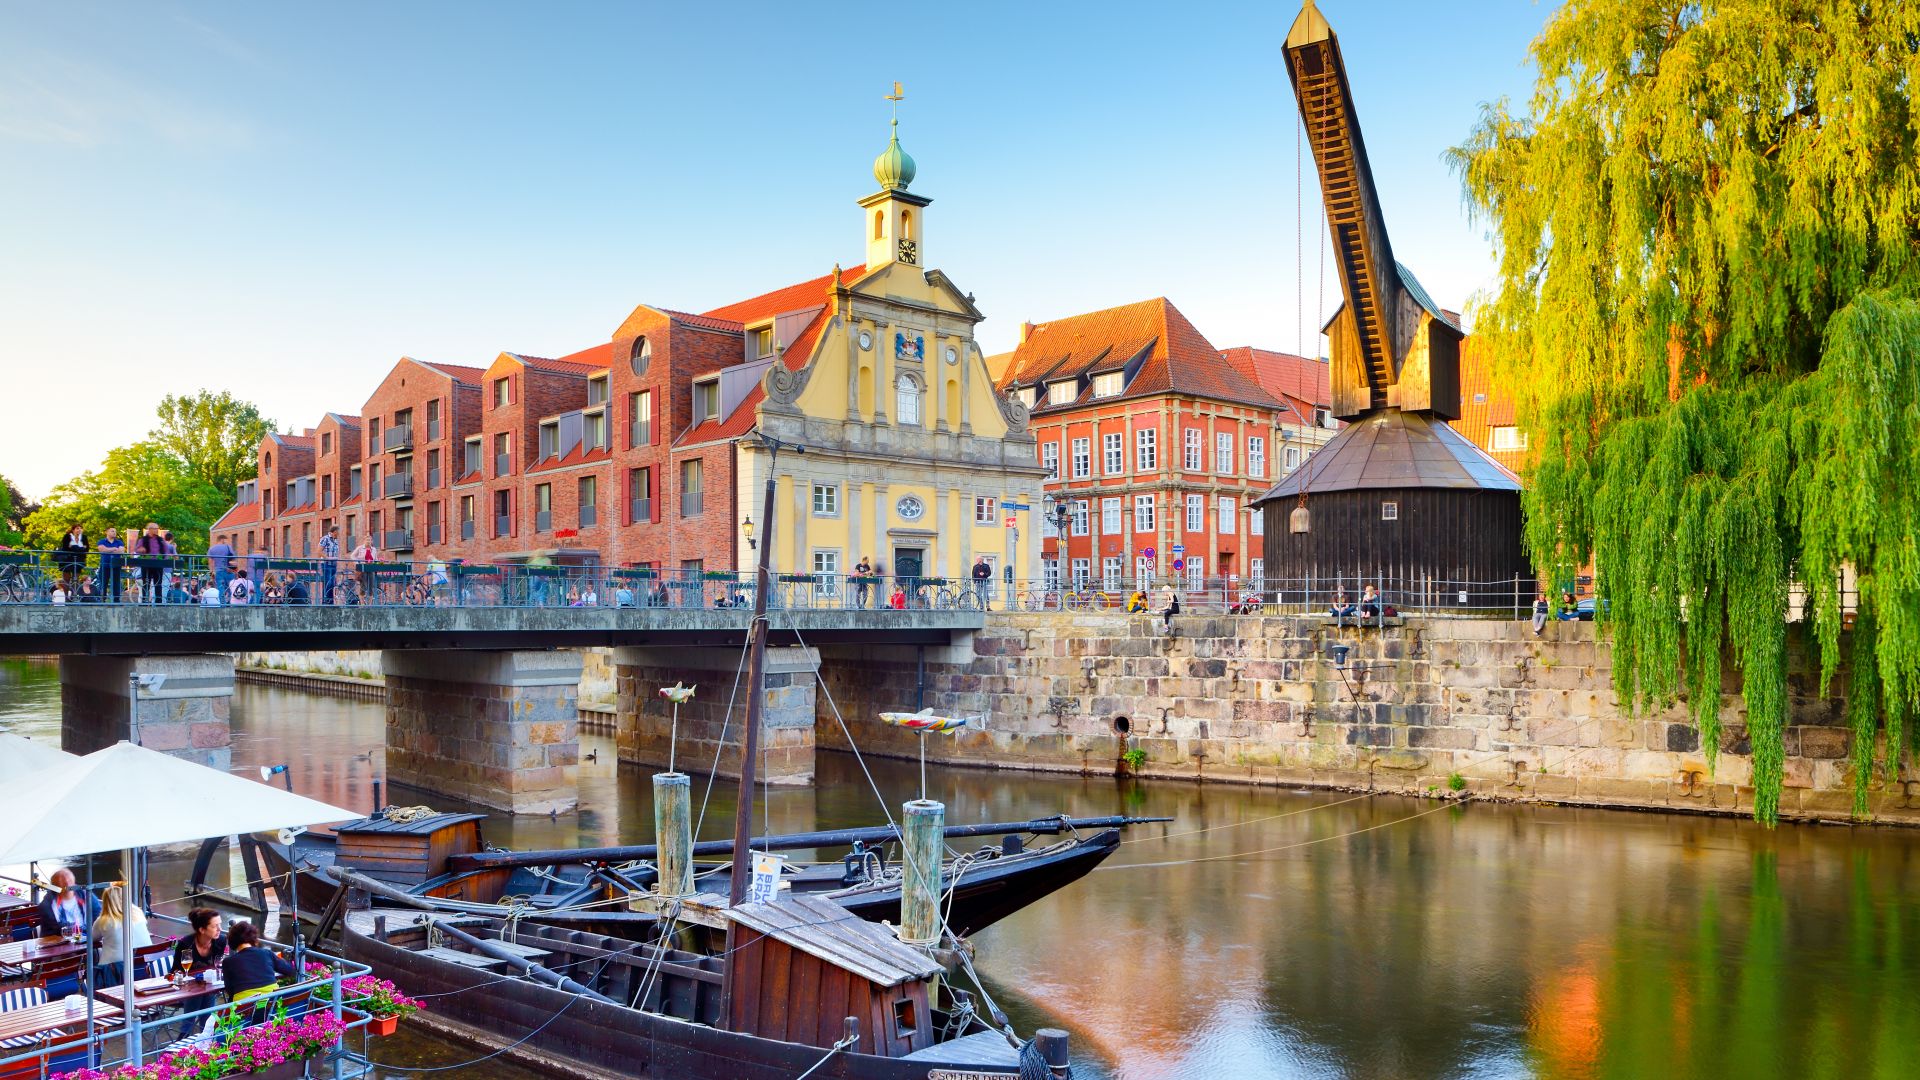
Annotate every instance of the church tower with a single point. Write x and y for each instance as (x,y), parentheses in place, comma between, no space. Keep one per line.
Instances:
(895,217)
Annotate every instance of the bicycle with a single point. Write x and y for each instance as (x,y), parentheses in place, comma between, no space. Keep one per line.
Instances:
(961,598)
(20,581)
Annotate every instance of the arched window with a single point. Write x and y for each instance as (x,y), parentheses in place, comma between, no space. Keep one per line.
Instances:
(906,224)
(641,357)
(879,223)
(906,406)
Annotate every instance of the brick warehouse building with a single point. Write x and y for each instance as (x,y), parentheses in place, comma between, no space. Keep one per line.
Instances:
(628,452)
(1157,441)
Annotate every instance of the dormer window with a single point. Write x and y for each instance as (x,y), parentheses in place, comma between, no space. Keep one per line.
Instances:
(763,342)
(597,391)
(1028,395)
(706,399)
(1322,418)
(1109,384)
(549,439)
(1063,392)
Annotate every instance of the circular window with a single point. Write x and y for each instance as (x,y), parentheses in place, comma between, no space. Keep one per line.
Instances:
(642,355)
(910,508)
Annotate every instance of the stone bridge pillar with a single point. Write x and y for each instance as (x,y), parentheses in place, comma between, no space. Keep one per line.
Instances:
(494,727)
(787,712)
(187,716)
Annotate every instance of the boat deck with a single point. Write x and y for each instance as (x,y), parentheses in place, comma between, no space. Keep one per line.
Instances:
(979,1048)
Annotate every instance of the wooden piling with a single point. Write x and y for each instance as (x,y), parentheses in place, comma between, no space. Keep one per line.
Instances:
(673,832)
(924,828)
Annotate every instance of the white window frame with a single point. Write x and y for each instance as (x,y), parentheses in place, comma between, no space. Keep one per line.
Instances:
(1196,573)
(1082,570)
(1143,508)
(1226,509)
(1223,453)
(1113,453)
(1257,522)
(1050,459)
(1110,516)
(1195,456)
(1292,458)
(1256,457)
(1110,571)
(1082,459)
(1196,513)
(1146,450)
(826,500)
(1109,384)
(908,397)
(1508,438)
(985,509)
(1080,513)
(826,573)
(1062,392)
(1050,573)
(1257,573)
(1389,511)
(1142,571)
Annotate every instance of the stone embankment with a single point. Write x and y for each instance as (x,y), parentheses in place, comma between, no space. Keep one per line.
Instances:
(1434,705)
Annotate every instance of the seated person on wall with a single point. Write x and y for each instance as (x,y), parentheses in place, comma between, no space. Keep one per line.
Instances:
(1343,608)
(623,597)
(1370,605)
(1540,612)
(1137,603)
(1569,608)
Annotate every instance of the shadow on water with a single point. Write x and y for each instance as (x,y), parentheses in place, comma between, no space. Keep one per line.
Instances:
(1323,934)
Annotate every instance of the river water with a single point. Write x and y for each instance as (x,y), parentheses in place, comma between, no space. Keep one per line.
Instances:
(1283,934)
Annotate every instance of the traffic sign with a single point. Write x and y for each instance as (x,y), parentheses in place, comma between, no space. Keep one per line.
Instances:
(1146,553)
(1011,521)
(1179,564)
(1015,506)
(1179,550)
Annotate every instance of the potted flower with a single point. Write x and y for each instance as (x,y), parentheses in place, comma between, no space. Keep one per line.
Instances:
(382,1001)
(276,1050)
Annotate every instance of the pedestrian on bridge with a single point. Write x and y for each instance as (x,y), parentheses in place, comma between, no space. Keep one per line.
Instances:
(329,562)
(220,560)
(112,556)
(152,548)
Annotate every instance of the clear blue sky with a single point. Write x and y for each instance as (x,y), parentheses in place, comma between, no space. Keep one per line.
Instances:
(283,199)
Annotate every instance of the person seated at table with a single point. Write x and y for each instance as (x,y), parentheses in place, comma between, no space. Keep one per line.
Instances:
(203,949)
(109,935)
(249,970)
(65,910)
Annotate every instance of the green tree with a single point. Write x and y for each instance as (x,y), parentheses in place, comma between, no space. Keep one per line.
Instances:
(1708,225)
(214,435)
(14,508)
(136,484)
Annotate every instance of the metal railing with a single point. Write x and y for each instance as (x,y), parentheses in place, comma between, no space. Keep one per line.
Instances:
(399,484)
(109,1046)
(396,438)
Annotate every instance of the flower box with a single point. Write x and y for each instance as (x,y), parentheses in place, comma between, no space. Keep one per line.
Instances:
(383,1026)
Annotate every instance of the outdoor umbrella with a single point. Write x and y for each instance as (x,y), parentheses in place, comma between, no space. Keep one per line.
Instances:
(127,797)
(22,760)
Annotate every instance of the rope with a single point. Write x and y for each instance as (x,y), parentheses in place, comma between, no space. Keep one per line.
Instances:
(1282,847)
(836,1048)
(1251,821)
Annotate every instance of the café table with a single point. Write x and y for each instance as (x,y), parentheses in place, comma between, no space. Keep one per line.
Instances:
(159,993)
(39,950)
(51,1017)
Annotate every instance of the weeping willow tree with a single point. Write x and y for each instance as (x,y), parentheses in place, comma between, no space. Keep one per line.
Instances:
(1707,218)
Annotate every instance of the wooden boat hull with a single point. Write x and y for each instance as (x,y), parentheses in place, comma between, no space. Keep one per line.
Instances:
(624,1041)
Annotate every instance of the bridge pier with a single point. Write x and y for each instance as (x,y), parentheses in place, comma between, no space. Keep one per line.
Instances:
(494,727)
(787,711)
(187,716)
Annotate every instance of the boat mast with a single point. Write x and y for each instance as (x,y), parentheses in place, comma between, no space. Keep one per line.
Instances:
(756,675)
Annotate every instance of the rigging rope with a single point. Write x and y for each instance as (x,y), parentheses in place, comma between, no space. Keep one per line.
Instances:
(1282,847)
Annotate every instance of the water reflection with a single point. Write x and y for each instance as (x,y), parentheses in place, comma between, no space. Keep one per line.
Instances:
(1332,936)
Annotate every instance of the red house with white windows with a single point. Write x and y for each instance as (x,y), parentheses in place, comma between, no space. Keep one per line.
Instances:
(1156,441)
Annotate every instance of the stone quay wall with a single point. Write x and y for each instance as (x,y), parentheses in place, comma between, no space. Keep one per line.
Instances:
(1258,700)
(644,726)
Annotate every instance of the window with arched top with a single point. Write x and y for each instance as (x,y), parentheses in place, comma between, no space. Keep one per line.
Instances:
(906,405)
(641,357)
(879,223)
(906,224)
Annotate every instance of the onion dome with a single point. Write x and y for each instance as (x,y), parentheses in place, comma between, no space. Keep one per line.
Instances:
(894,167)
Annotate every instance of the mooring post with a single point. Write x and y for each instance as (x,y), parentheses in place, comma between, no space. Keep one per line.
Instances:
(924,833)
(673,832)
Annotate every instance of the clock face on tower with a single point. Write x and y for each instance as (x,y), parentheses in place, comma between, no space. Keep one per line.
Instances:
(909,252)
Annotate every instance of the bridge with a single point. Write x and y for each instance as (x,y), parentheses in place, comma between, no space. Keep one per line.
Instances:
(482,700)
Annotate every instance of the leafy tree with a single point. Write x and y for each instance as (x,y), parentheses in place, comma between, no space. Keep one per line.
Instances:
(214,435)
(1708,226)
(14,508)
(136,484)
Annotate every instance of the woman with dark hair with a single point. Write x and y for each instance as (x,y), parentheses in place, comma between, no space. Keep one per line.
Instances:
(72,554)
(248,969)
(203,949)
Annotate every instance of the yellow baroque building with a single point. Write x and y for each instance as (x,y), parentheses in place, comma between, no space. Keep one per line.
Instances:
(913,460)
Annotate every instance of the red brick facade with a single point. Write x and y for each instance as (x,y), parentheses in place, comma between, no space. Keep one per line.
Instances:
(1157,442)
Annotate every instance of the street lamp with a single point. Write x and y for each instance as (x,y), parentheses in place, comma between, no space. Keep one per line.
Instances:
(747,528)
(1057,513)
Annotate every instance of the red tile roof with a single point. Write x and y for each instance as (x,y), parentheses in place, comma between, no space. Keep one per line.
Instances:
(294,440)
(238,514)
(1283,373)
(345,420)
(704,322)
(573,457)
(792,298)
(556,367)
(595,358)
(1174,356)
(459,372)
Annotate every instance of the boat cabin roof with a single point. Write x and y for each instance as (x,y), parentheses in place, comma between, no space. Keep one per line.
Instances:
(821,928)
(425,826)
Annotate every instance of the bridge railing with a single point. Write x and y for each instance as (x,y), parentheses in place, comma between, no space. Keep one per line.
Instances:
(113,578)
(1344,597)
